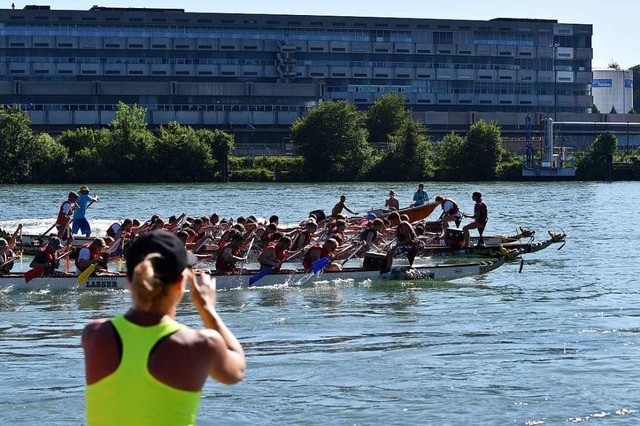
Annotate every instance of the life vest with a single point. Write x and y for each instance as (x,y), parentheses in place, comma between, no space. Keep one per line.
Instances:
(454,209)
(412,233)
(480,213)
(364,234)
(301,240)
(307,261)
(226,265)
(111,232)
(62,216)
(279,255)
(92,256)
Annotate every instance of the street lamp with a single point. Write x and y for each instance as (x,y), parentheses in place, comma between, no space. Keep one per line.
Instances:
(555,79)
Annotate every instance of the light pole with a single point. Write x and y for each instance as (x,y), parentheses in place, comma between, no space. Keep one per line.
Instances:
(555,46)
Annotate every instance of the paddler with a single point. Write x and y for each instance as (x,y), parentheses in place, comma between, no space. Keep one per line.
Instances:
(48,256)
(91,253)
(406,240)
(229,254)
(145,368)
(274,254)
(7,257)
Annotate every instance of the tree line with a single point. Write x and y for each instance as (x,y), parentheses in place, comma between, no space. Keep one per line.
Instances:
(125,151)
(335,142)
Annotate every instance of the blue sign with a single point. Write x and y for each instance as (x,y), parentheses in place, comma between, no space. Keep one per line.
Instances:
(602,82)
(628,83)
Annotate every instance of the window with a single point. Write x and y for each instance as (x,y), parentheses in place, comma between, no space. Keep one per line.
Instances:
(65,45)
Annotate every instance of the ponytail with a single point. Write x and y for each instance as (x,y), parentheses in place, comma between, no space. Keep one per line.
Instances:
(146,286)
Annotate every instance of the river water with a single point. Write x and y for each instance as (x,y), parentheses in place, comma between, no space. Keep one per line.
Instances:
(558,343)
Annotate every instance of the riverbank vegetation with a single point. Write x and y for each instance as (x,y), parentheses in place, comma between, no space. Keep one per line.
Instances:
(335,142)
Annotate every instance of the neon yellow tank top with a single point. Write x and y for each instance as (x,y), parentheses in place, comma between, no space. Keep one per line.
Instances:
(131,395)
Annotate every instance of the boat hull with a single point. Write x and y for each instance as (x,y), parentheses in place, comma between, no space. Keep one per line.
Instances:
(237,281)
(415,213)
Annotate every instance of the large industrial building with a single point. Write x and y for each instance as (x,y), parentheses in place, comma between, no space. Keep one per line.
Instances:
(613,89)
(253,75)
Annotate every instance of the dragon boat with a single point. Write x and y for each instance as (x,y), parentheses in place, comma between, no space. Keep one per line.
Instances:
(371,270)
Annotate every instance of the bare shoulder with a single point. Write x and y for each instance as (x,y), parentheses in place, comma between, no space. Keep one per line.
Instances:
(96,330)
(210,339)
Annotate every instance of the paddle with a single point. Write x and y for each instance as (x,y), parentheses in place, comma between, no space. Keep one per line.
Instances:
(36,271)
(352,254)
(84,276)
(256,277)
(46,232)
(9,260)
(320,264)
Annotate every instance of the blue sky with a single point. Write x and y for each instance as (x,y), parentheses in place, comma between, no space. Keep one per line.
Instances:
(615,22)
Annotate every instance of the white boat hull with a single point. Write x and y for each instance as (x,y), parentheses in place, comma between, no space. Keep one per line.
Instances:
(223,282)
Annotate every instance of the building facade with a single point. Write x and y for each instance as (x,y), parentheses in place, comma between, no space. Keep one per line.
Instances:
(254,75)
(613,88)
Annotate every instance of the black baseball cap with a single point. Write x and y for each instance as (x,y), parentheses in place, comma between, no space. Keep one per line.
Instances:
(174,257)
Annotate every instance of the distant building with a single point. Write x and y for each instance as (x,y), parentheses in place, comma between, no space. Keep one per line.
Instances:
(613,88)
(253,75)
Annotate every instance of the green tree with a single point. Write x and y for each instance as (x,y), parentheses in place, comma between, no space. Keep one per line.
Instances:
(18,146)
(613,110)
(52,162)
(592,163)
(133,144)
(449,157)
(594,109)
(333,142)
(220,143)
(75,140)
(482,151)
(411,152)
(95,161)
(387,116)
(181,156)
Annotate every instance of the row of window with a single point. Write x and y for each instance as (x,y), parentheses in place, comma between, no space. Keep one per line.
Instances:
(533,64)
(168,107)
(297,33)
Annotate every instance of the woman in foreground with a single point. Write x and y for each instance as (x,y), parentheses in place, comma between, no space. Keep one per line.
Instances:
(144,367)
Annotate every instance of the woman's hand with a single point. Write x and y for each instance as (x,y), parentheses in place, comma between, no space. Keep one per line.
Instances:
(203,293)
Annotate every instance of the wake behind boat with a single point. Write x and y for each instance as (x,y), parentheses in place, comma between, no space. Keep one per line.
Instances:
(440,271)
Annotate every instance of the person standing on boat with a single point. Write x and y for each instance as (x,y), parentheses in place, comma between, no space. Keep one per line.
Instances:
(392,202)
(144,367)
(80,222)
(406,240)
(450,213)
(420,197)
(48,256)
(340,205)
(480,218)
(64,217)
